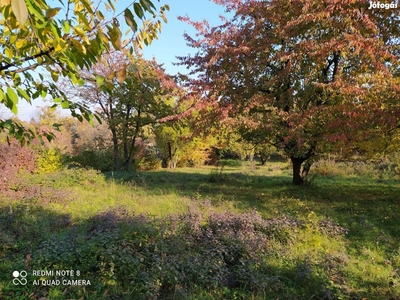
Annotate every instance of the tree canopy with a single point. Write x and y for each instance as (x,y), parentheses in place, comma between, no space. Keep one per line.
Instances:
(300,75)
(42,42)
(141,98)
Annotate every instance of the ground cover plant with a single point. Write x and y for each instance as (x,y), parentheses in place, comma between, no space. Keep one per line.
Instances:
(235,232)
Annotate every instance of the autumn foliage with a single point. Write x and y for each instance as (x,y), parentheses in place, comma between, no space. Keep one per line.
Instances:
(57,40)
(14,159)
(299,75)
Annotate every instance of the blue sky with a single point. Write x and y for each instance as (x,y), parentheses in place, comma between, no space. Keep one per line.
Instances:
(171,42)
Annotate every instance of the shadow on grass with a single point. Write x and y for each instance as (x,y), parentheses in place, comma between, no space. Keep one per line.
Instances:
(368,207)
(139,257)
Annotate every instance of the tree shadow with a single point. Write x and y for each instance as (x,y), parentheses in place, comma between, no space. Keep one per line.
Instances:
(368,207)
(115,248)
(127,256)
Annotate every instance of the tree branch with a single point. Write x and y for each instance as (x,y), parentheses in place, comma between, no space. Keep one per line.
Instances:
(40,54)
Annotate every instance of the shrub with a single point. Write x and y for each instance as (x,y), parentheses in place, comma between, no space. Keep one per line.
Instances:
(49,160)
(98,160)
(328,167)
(149,162)
(13,160)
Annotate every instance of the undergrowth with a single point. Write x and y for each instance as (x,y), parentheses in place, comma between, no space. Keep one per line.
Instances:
(201,234)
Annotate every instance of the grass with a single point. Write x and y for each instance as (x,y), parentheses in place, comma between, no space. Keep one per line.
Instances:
(154,224)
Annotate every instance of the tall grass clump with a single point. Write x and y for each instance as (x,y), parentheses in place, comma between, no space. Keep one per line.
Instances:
(383,167)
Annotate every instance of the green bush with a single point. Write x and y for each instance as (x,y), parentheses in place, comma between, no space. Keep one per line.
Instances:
(98,160)
(149,162)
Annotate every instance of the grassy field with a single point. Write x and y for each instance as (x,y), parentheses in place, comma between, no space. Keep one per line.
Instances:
(234,232)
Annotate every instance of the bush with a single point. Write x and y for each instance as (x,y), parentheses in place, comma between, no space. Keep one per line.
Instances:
(327,167)
(49,160)
(13,160)
(149,162)
(98,160)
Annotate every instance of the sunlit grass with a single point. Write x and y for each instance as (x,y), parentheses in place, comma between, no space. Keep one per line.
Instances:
(88,203)
(362,263)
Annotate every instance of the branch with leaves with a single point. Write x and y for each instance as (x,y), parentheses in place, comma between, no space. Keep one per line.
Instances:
(38,40)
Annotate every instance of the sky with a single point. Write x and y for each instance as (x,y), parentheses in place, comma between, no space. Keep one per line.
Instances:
(170,44)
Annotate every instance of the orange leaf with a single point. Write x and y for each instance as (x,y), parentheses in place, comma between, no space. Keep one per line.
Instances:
(4,2)
(121,75)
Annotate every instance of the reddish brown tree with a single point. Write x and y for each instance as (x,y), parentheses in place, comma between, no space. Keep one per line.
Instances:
(300,75)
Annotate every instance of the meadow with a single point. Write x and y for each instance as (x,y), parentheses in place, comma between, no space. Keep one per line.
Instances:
(236,231)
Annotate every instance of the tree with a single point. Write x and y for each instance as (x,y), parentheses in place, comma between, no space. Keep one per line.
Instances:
(178,146)
(38,40)
(300,75)
(142,98)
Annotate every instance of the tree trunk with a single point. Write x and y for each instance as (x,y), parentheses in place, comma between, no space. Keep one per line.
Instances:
(115,149)
(263,158)
(298,178)
(299,174)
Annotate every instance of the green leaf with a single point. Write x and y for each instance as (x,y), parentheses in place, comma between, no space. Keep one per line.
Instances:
(89,117)
(54,76)
(111,5)
(81,82)
(66,27)
(82,18)
(2,96)
(65,104)
(99,80)
(23,94)
(12,102)
(43,93)
(88,6)
(57,126)
(148,5)
(114,35)
(40,139)
(138,10)
(37,12)
(130,20)
(98,118)
(51,12)
(100,15)
(20,10)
